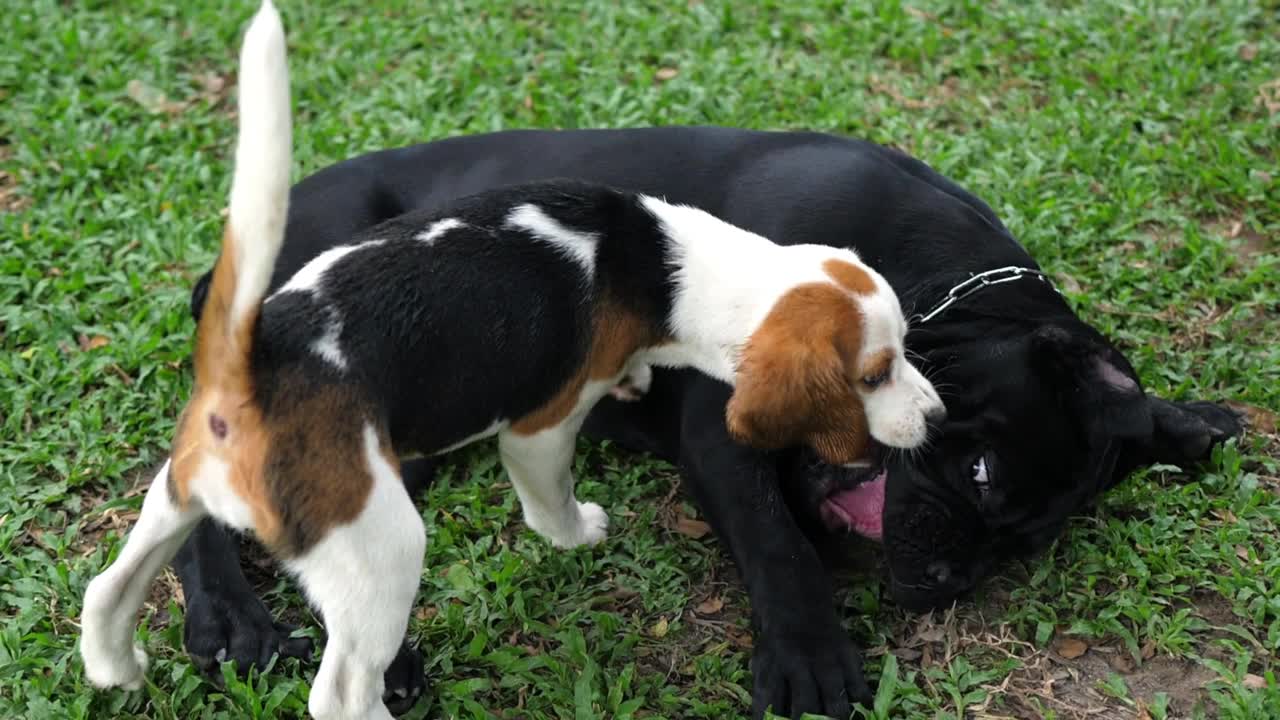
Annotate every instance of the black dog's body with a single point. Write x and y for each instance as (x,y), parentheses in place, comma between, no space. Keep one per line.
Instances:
(1054,413)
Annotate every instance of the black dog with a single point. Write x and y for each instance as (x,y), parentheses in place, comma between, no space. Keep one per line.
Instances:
(1044,413)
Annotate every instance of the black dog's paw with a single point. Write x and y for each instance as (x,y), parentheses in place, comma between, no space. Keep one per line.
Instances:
(236,626)
(1187,431)
(819,674)
(406,681)
(1222,420)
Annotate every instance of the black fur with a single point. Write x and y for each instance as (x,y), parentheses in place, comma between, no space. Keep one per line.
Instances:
(1030,403)
(441,339)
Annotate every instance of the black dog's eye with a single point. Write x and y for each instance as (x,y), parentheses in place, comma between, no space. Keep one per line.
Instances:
(875,381)
(979,475)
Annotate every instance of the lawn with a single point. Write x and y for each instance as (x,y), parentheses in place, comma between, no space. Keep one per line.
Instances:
(1134,147)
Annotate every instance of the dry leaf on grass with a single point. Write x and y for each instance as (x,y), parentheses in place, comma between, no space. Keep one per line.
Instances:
(710,606)
(213,83)
(691,528)
(1269,96)
(93,343)
(1070,648)
(1260,419)
(665,73)
(1121,663)
(213,89)
(740,639)
(151,99)
(1069,283)
(659,629)
(1254,682)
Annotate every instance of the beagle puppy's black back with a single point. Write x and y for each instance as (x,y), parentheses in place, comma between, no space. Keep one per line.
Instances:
(409,318)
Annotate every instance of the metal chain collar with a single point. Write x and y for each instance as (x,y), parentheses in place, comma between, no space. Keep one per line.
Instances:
(978,282)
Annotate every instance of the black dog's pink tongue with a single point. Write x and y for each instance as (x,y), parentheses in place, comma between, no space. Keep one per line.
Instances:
(860,509)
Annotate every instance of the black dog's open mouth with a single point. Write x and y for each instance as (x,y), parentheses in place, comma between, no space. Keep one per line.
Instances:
(859,509)
(852,498)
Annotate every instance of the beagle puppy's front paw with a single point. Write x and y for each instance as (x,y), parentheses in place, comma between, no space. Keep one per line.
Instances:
(594,525)
(111,668)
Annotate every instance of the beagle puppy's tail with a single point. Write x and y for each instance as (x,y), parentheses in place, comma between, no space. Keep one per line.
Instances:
(259,205)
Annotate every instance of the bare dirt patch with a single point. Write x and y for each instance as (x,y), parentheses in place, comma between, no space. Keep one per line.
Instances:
(114,520)
(1073,688)
(1244,242)
(1068,678)
(119,521)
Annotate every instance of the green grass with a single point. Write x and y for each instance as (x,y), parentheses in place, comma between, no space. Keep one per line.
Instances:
(1130,146)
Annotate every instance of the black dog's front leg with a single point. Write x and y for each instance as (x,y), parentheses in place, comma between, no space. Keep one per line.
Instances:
(225,619)
(803,661)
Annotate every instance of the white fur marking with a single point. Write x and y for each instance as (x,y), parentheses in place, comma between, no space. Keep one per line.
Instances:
(311,276)
(363,577)
(327,346)
(727,280)
(494,428)
(210,488)
(578,246)
(438,229)
(634,384)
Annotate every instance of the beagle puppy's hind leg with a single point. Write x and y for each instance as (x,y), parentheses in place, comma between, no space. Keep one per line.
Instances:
(363,577)
(112,600)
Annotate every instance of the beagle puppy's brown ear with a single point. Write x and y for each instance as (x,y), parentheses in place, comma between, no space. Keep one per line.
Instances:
(773,403)
(794,382)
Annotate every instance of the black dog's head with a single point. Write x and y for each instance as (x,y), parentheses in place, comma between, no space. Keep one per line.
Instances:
(1042,418)
(1043,412)
(1039,424)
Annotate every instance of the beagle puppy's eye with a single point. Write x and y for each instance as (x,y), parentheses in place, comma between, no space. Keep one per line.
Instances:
(875,381)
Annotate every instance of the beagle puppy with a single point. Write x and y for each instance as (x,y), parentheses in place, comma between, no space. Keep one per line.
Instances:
(511,314)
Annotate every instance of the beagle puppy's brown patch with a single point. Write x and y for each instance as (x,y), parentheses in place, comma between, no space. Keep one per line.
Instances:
(797,377)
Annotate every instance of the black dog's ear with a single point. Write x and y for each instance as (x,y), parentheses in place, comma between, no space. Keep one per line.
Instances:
(1095,382)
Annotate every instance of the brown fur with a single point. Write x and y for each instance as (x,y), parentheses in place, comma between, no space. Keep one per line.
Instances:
(300,471)
(850,276)
(224,388)
(795,379)
(317,475)
(617,333)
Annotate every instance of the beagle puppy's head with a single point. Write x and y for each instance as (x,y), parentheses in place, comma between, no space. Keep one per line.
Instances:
(827,368)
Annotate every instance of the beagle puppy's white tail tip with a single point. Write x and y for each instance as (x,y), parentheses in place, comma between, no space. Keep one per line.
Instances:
(260,187)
